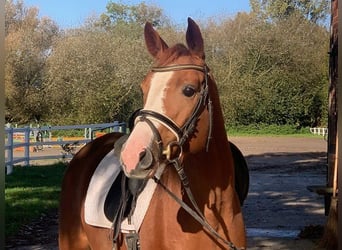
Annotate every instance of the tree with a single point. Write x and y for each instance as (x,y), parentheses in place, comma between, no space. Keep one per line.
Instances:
(28,43)
(119,13)
(268,70)
(272,73)
(100,65)
(314,11)
(99,73)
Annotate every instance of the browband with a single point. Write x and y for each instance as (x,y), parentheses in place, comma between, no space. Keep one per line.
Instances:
(178,67)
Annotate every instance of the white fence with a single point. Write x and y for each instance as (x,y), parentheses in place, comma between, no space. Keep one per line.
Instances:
(319,131)
(25,143)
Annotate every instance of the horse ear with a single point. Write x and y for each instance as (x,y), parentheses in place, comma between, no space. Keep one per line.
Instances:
(194,39)
(154,43)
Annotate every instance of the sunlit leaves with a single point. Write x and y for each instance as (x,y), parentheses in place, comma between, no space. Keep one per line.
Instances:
(271,65)
(28,44)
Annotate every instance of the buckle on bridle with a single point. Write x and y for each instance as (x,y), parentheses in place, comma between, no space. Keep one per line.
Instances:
(173,151)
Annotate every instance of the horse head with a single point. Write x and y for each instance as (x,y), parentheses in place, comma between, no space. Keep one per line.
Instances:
(175,119)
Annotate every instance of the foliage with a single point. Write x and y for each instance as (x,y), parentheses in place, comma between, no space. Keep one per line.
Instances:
(97,77)
(100,66)
(270,65)
(267,73)
(29,191)
(277,10)
(28,43)
(119,13)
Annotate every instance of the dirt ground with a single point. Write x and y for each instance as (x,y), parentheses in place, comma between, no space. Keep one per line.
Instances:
(279,208)
(280,213)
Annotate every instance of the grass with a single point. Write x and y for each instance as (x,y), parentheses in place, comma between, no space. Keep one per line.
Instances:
(269,130)
(29,192)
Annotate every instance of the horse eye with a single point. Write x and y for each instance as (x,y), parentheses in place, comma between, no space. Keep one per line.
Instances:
(189,91)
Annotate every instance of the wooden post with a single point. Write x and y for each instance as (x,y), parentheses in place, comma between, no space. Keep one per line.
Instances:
(332,112)
(339,128)
(330,237)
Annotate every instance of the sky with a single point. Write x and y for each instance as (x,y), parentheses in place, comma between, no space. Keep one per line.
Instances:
(72,13)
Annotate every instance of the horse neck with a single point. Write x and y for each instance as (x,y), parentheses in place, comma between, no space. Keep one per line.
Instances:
(219,133)
(216,162)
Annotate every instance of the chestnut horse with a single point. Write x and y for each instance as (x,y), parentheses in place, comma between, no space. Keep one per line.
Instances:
(179,141)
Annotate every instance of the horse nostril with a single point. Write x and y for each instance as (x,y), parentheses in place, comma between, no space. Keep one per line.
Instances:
(145,159)
(142,154)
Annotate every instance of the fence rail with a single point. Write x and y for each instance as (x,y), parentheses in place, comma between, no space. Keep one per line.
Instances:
(319,131)
(27,138)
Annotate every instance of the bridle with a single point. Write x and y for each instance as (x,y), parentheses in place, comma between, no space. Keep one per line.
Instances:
(182,135)
(184,132)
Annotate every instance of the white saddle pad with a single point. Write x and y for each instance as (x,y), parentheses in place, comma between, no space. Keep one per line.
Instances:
(100,183)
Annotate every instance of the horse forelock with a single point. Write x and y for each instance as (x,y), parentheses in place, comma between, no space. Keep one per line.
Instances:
(172,54)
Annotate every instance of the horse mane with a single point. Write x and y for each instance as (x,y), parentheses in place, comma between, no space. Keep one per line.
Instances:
(173,53)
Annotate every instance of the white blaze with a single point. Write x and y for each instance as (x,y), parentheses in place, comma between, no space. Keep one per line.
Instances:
(142,136)
(156,94)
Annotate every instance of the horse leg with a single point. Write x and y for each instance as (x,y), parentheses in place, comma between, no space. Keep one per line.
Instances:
(235,225)
(99,238)
(71,233)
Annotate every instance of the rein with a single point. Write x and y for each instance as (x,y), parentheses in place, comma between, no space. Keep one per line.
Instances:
(196,212)
(182,134)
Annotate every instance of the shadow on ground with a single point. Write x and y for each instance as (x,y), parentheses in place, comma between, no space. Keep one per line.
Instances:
(277,207)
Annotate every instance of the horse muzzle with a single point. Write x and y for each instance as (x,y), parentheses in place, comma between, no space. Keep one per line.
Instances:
(144,168)
(138,160)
